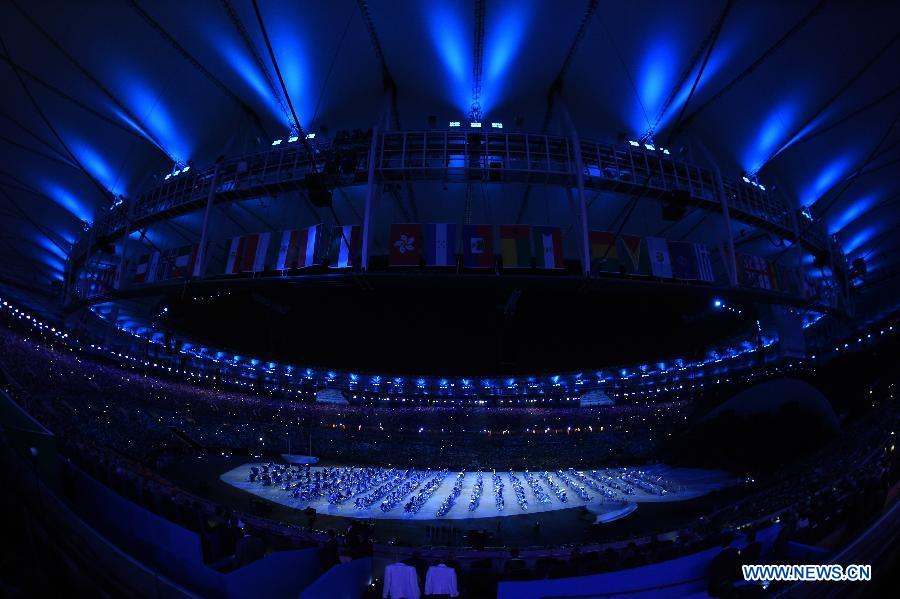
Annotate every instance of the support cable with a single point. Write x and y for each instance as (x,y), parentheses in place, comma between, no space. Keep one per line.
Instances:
(847,85)
(49,86)
(557,84)
(753,66)
(90,76)
(197,65)
(702,54)
(103,191)
(477,61)
(260,65)
(710,44)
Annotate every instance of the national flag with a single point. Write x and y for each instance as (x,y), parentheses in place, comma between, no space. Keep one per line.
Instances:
(345,246)
(548,250)
(117,278)
(704,264)
(755,272)
(631,254)
(789,279)
(440,244)
(683,260)
(152,268)
(478,246)
(183,261)
(660,264)
(140,271)
(406,244)
(515,246)
(197,267)
(248,253)
(604,254)
(299,248)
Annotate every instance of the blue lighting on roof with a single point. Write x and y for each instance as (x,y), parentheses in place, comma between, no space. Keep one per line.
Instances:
(502,41)
(860,239)
(246,68)
(67,200)
(293,63)
(656,76)
(856,209)
(108,176)
(721,53)
(150,104)
(826,179)
(51,247)
(772,131)
(453,42)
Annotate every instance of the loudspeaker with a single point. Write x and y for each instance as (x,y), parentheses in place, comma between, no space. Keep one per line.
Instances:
(318,190)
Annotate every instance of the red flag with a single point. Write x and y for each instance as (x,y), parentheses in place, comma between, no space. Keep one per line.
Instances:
(406,244)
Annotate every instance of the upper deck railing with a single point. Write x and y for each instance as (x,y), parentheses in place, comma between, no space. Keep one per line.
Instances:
(456,156)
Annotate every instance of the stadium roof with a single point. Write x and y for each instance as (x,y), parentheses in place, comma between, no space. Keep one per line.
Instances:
(102,98)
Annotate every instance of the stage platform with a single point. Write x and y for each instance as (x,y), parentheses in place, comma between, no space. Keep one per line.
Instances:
(682,484)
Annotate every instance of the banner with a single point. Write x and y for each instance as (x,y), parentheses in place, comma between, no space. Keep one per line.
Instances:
(660,264)
(632,255)
(683,260)
(178,263)
(704,264)
(247,253)
(478,246)
(604,253)
(299,248)
(440,244)
(405,245)
(756,272)
(548,248)
(515,246)
(346,246)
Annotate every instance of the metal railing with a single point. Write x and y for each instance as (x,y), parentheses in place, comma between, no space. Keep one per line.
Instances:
(453,156)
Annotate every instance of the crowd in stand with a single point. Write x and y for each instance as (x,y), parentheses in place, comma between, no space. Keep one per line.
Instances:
(111,423)
(138,414)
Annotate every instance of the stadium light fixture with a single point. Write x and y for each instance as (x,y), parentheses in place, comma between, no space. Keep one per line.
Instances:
(717,303)
(634,143)
(497,125)
(475,125)
(746,179)
(169,176)
(665,151)
(649,147)
(277,142)
(454,123)
(310,136)
(292,139)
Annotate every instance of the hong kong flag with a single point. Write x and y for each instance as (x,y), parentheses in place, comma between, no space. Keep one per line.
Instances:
(478,246)
(406,244)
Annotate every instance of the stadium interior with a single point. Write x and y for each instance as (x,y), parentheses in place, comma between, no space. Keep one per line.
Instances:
(456,298)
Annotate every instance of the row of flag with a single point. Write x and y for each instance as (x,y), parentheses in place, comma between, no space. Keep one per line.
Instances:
(435,244)
(441,244)
(760,273)
(650,256)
